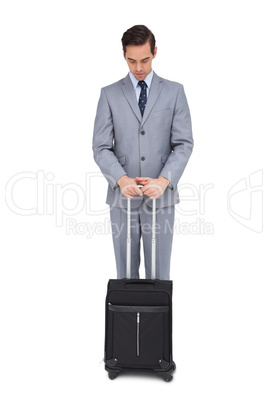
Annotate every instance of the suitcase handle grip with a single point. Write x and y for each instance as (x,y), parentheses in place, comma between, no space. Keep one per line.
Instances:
(138,281)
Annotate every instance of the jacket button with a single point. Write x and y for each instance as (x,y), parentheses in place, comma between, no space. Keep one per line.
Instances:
(142,158)
(142,132)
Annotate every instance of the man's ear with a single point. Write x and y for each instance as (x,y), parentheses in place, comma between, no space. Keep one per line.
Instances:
(155,52)
(124,55)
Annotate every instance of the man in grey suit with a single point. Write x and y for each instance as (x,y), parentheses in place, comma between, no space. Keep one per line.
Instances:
(142,136)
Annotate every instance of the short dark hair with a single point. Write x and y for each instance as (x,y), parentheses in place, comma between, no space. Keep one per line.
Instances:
(138,35)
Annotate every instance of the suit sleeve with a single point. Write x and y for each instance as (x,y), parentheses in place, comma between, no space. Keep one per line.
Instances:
(181,140)
(103,137)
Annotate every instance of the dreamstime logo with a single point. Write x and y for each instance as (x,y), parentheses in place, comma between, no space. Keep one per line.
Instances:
(37,193)
(245,201)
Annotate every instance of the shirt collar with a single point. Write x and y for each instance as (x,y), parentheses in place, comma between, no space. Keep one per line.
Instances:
(148,80)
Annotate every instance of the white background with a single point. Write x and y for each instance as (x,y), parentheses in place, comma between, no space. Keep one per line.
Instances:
(55,57)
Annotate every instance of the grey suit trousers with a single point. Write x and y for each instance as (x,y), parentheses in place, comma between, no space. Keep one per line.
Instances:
(141,226)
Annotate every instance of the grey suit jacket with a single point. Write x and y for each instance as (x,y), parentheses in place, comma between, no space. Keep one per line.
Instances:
(157,144)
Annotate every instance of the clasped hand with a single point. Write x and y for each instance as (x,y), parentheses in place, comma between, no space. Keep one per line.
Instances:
(153,188)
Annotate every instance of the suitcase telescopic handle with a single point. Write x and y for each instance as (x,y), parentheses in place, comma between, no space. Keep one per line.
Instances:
(153,265)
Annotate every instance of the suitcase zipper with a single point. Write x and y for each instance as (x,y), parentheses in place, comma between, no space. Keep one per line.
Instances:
(138,334)
(137,309)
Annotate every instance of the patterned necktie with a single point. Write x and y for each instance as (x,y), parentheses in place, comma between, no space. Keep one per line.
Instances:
(143,96)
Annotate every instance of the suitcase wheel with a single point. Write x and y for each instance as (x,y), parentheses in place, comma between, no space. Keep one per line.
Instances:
(168,377)
(112,376)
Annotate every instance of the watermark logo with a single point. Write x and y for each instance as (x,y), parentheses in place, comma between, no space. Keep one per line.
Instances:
(245,201)
(45,197)
(74,207)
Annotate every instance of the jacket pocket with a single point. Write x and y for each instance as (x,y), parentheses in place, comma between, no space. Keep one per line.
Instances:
(163,113)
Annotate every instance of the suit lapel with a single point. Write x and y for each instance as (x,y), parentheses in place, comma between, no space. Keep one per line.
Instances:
(154,92)
(129,93)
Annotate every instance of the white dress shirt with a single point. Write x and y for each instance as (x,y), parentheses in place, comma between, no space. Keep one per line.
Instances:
(137,88)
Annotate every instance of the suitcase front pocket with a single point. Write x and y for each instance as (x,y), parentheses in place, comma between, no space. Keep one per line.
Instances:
(139,334)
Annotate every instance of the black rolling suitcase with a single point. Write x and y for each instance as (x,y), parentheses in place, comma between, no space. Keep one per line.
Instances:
(138,327)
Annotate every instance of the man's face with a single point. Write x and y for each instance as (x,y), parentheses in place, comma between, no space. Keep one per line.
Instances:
(139,60)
